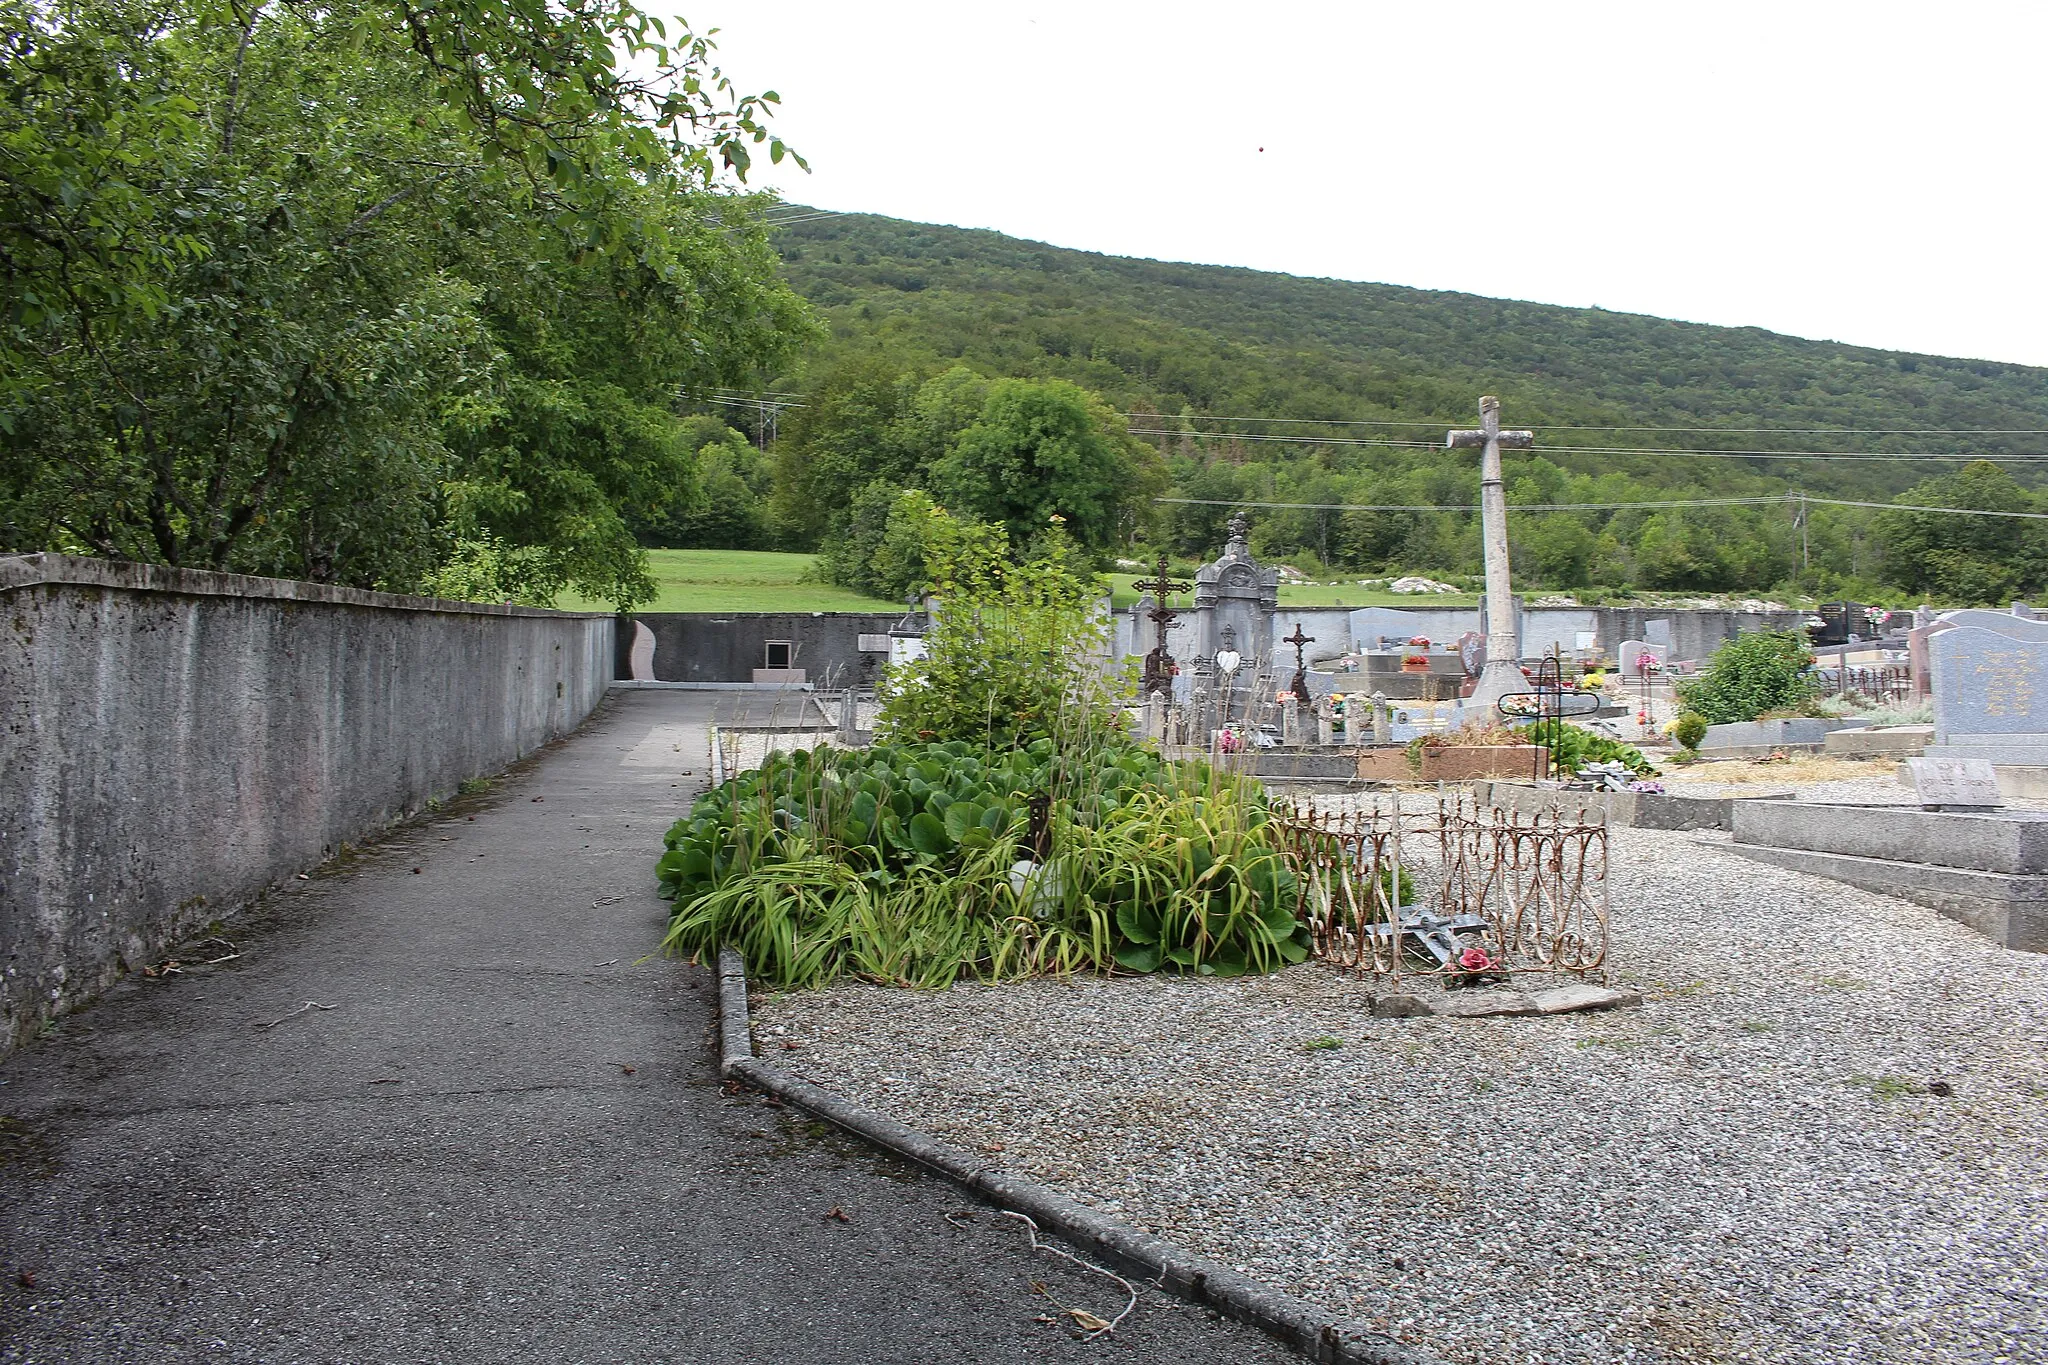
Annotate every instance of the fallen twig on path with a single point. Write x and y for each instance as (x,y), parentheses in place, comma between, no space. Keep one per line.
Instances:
(1083,1319)
(309,1005)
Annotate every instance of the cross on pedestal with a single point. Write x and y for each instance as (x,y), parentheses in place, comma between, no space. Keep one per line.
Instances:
(1300,684)
(1159,664)
(1503,673)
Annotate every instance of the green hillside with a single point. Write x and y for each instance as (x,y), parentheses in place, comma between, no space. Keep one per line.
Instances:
(1196,354)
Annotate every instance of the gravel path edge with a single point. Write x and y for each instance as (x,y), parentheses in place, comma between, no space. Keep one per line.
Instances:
(1312,1331)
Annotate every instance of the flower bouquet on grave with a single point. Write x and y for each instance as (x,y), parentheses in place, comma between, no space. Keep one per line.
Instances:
(1477,964)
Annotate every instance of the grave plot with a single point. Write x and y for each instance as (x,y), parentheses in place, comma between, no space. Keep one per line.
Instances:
(1820,1138)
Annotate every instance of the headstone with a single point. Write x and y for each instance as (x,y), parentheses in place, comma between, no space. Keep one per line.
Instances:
(1326,723)
(1952,783)
(849,717)
(642,657)
(1918,661)
(1290,723)
(1155,717)
(1235,601)
(1657,634)
(1382,722)
(1634,652)
(877,643)
(1990,697)
(2001,623)
(1472,653)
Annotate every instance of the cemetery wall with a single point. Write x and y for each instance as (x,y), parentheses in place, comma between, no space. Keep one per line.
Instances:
(173,742)
(726,647)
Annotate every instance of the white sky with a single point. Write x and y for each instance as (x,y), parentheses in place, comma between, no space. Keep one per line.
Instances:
(1869,173)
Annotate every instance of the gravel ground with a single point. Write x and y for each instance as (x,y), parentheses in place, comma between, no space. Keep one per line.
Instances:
(1751,1167)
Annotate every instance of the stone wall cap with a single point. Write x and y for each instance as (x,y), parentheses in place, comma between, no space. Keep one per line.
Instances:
(36,570)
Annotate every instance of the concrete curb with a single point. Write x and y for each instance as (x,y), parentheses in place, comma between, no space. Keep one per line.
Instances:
(1310,1330)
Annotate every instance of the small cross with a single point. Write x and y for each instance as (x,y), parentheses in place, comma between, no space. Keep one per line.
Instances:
(1159,666)
(1300,684)
(1159,587)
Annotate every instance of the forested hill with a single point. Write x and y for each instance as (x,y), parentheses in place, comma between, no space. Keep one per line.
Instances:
(1216,339)
(1213,349)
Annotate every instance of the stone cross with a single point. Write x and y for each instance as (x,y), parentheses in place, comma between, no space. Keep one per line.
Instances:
(1159,663)
(1300,684)
(1502,673)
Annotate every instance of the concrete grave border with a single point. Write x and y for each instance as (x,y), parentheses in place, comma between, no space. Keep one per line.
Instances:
(1317,1334)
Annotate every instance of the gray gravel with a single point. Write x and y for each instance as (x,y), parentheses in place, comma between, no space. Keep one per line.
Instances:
(1751,1167)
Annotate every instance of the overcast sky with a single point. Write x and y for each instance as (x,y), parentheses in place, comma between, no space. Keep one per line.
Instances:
(1869,173)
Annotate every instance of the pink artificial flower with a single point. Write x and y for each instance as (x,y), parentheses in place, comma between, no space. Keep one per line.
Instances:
(1474,960)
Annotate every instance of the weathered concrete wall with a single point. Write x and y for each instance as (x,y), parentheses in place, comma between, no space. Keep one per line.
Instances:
(727,646)
(172,742)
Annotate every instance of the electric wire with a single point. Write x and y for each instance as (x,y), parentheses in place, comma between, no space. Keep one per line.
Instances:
(1800,498)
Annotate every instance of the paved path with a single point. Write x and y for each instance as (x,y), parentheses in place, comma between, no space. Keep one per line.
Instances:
(504,1141)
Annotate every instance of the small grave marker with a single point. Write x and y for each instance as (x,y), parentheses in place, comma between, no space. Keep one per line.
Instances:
(1949,784)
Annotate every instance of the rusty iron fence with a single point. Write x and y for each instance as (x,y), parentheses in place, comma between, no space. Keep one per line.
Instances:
(1394,891)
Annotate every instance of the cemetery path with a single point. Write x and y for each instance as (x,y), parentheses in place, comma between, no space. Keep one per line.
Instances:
(499,1137)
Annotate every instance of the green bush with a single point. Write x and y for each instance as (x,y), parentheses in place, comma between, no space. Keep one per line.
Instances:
(1014,653)
(1749,675)
(1575,748)
(915,865)
(1689,729)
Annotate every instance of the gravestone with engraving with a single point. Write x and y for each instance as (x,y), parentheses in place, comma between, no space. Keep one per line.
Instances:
(1958,784)
(1990,697)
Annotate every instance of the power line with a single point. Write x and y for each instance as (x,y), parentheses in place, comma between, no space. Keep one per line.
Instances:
(1473,506)
(1559,426)
(1597,506)
(1389,444)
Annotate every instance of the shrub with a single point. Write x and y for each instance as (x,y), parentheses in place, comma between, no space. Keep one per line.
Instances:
(1689,729)
(1014,653)
(1749,675)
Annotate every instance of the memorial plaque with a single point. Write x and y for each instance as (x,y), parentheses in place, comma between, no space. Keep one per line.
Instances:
(1947,782)
(874,644)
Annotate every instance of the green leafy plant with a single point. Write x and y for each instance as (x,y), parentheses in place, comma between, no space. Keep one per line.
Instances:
(1749,675)
(917,864)
(1013,654)
(1689,729)
(1575,748)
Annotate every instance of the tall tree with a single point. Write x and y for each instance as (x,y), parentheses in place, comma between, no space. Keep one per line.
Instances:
(1046,449)
(333,291)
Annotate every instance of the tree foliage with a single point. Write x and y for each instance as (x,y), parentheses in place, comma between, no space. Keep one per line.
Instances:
(1203,359)
(1749,675)
(1013,655)
(336,292)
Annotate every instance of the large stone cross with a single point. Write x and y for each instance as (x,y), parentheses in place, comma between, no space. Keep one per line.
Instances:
(1503,673)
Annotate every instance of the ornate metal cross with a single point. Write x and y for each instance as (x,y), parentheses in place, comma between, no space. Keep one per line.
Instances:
(1159,666)
(1300,684)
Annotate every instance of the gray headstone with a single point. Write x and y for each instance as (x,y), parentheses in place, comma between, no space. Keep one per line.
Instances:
(1954,781)
(1988,683)
(1658,633)
(2002,623)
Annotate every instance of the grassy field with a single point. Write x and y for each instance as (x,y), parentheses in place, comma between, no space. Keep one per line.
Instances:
(1309,595)
(767,580)
(739,580)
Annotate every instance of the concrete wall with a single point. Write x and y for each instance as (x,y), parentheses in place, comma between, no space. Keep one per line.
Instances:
(173,742)
(727,646)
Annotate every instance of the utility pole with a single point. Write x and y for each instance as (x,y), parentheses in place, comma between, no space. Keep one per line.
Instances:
(1503,671)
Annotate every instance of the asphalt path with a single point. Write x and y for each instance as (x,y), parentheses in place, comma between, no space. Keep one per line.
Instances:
(439,1105)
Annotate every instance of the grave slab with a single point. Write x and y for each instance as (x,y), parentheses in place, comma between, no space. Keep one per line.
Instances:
(2009,910)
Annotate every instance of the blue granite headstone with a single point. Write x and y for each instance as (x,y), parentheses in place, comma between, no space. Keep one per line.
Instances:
(1990,696)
